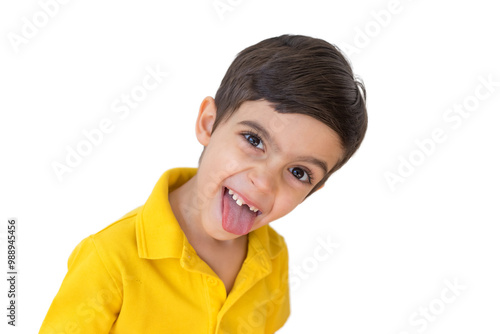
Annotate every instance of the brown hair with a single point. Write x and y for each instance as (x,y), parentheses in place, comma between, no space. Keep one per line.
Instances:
(298,74)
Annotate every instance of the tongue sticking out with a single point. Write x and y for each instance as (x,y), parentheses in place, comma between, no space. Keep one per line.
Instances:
(236,219)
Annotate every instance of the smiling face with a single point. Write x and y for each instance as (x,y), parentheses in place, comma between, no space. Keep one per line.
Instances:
(268,160)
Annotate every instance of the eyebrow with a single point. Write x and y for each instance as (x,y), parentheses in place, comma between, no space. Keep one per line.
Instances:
(259,128)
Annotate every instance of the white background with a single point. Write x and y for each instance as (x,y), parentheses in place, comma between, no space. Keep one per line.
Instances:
(397,247)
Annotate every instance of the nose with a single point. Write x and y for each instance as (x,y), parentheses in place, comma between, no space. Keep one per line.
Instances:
(263,179)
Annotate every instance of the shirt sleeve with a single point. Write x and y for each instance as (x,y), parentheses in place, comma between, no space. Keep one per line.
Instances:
(88,300)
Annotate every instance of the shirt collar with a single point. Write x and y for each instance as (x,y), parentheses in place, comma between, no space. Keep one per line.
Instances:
(158,232)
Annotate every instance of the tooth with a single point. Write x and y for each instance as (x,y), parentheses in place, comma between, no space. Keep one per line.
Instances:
(240,202)
(254,209)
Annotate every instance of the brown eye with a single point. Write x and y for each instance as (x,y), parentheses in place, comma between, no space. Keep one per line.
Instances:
(301,174)
(254,140)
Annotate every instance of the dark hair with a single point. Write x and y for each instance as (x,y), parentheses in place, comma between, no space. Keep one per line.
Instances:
(298,74)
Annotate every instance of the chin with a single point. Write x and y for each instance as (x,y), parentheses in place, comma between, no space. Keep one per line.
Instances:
(224,235)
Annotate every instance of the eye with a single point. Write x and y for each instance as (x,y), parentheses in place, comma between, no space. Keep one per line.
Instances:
(301,174)
(254,140)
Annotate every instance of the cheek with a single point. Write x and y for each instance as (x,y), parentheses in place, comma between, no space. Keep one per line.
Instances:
(283,205)
(243,150)
(234,158)
(223,163)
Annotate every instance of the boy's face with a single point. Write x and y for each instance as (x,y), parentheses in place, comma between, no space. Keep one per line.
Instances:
(274,172)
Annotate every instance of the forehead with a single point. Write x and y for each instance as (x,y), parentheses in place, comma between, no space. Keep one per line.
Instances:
(292,134)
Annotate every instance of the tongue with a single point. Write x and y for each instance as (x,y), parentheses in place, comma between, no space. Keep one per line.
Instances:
(236,219)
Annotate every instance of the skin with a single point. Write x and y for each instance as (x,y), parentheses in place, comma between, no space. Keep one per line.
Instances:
(269,175)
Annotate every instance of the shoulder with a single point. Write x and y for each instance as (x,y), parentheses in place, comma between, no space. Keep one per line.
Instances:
(116,243)
(120,230)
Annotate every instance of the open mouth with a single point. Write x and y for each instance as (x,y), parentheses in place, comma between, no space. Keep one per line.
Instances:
(237,217)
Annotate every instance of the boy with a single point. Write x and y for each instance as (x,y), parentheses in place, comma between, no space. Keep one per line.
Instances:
(199,255)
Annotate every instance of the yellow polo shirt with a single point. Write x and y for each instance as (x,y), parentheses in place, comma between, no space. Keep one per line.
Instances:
(141,275)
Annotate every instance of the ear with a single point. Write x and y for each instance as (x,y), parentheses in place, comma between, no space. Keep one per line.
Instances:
(205,120)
